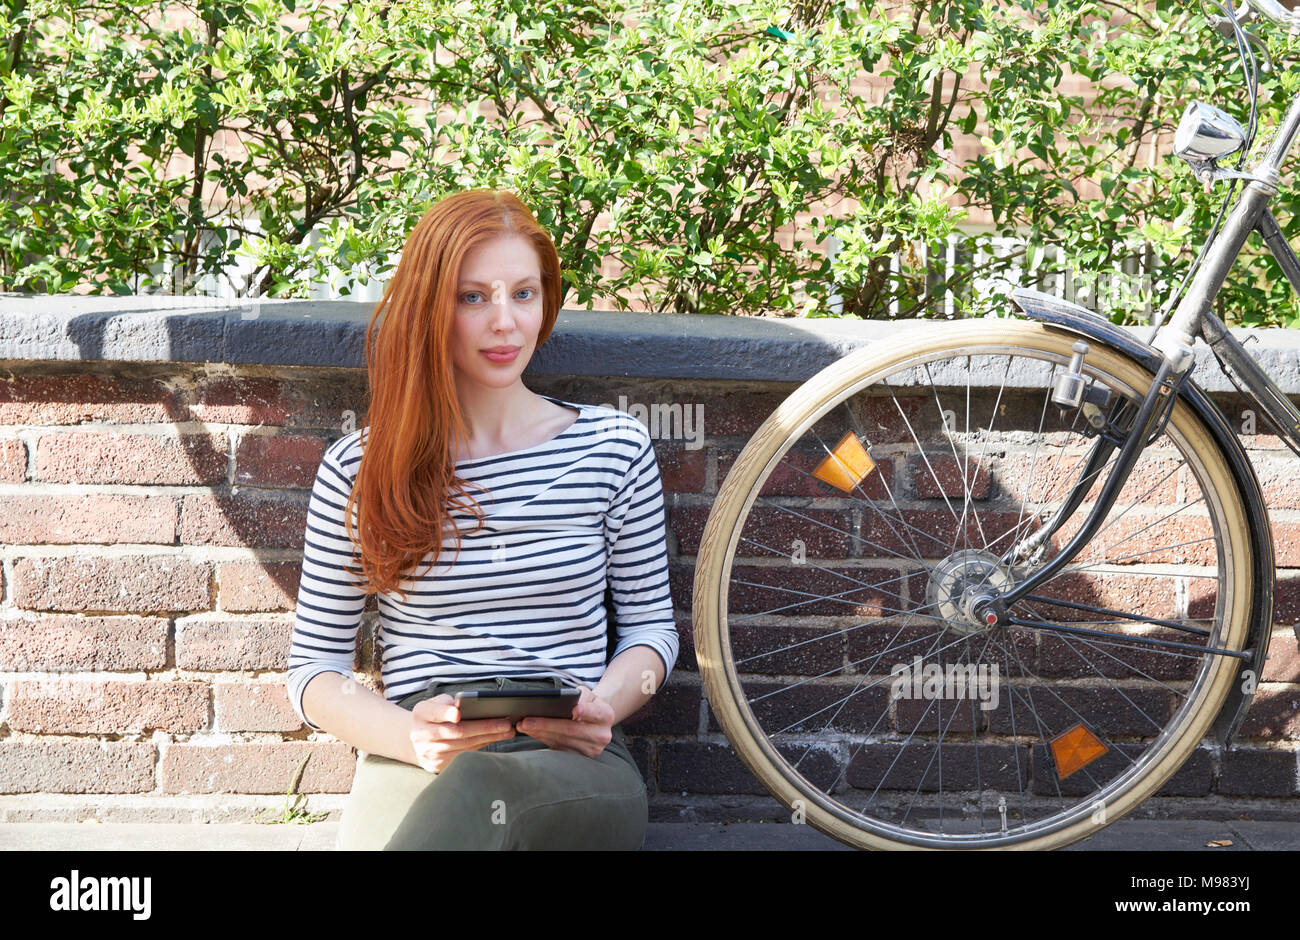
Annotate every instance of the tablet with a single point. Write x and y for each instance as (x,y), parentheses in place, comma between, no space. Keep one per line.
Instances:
(517,703)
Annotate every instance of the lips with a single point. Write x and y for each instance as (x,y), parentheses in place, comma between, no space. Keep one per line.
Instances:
(501,353)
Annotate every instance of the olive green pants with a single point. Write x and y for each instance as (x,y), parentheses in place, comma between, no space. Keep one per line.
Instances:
(512,794)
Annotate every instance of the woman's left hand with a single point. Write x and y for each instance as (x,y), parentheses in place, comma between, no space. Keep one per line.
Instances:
(586,733)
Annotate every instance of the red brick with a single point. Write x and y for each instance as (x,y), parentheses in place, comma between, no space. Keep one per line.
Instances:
(1064,656)
(1286,598)
(950,714)
(805,591)
(682,470)
(1050,476)
(78,518)
(13,461)
(697,767)
(132,584)
(674,709)
(258,585)
(228,399)
(937,475)
(105,706)
(245,518)
(337,401)
(878,648)
(1286,544)
(1046,476)
(90,643)
(1193,778)
(278,459)
(75,398)
(1274,713)
(1283,664)
(807,707)
(1126,711)
(894,767)
(739,414)
(686,649)
(785,650)
(771,531)
(256,768)
(110,457)
(934,533)
(1144,596)
(1279,481)
(896,419)
(1202,596)
(1258,772)
(253,706)
(76,766)
(216,645)
(1152,538)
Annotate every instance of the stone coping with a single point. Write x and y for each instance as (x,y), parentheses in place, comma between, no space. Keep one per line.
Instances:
(319,333)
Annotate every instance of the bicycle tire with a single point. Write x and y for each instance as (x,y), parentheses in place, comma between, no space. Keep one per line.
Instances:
(1198,680)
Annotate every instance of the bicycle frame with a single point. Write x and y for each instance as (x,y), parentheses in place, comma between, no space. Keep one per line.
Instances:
(1249,214)
(1079,321)
(1170,353)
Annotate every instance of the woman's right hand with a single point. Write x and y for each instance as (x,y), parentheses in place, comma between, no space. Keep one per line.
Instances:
(438,734)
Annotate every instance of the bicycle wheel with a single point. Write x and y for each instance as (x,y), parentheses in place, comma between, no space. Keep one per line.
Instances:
(832,621)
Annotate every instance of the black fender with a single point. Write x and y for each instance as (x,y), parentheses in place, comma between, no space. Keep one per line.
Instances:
(1072,318)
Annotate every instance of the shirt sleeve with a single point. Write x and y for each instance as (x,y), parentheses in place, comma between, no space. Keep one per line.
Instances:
(330,598)
(637,549)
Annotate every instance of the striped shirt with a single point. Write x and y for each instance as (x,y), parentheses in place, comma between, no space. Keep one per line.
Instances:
(564,519)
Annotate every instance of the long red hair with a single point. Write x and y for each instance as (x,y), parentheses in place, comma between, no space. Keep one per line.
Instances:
(406,484)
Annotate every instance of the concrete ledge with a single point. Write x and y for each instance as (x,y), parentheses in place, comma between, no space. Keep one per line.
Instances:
(317,333)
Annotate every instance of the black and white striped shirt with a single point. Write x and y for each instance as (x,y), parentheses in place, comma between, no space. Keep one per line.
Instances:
(525,596)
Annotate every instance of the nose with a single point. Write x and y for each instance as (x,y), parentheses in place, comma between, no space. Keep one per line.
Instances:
(503,314)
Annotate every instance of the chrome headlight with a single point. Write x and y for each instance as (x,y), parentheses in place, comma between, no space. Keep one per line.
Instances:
(1206,135)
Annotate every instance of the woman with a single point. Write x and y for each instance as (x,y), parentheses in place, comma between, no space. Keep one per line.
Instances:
(569,504)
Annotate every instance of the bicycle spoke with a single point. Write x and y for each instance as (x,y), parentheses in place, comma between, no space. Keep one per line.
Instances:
(1171,644)
(1093,682)
(1120,616)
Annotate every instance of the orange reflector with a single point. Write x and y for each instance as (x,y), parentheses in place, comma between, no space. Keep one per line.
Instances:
(847,465)
(1075,749)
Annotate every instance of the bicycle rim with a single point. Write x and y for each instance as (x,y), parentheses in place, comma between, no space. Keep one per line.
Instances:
(833,643)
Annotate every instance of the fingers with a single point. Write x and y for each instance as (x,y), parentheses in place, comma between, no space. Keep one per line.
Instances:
(490,729)
(595,709)
(437,745)
(478,740)
(439,708)
(581,737)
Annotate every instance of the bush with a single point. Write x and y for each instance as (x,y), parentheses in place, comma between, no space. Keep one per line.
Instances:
(701,128)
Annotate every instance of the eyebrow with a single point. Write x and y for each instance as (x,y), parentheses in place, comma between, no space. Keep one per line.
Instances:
(522,280)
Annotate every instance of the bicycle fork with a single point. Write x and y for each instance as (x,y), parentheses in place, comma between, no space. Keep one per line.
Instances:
(989,606)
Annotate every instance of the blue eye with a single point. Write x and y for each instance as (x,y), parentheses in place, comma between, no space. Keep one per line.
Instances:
(474,293)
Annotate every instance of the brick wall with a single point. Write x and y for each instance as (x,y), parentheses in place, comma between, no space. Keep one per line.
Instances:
(152,516)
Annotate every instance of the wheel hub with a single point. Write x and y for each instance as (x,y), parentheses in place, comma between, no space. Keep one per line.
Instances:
(960,581)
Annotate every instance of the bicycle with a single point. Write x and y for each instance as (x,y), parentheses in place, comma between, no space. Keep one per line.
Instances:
(1028,554)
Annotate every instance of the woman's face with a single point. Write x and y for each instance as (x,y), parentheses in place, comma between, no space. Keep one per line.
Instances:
(498,307)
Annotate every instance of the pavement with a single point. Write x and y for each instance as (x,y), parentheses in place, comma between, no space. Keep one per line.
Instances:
(1126,835)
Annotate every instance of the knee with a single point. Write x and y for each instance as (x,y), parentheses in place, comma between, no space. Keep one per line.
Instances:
(469,806)
(481,777)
